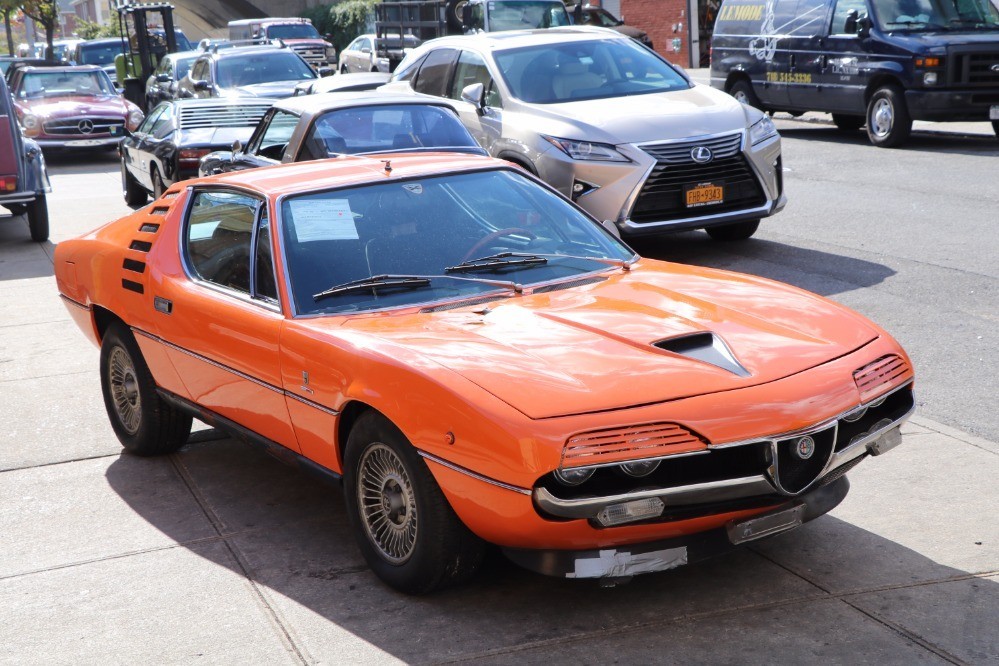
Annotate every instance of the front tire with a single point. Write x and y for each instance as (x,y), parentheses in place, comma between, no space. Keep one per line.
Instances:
(888,120)
(38,219)
(733,232)
(743,91)
(130,188)
(144,423)
(848,123)
(406,530)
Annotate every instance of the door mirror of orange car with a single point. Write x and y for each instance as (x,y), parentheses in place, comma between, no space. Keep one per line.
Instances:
(474,94)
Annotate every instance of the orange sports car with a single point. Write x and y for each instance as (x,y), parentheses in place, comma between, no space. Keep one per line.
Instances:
(477,360)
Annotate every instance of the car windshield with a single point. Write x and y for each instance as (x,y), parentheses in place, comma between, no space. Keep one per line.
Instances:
(422,227)
(264,67)
(99,54)
(62,83)
(385,128)
(590,69)
(927,15)
(526,15)
(292,31)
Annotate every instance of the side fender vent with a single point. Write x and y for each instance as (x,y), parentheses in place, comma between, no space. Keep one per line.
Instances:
(706,347)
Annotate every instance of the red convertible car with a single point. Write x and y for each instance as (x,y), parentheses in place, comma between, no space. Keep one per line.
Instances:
(477,360)
(72,107)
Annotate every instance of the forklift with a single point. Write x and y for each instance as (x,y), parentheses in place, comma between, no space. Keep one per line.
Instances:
(142,49)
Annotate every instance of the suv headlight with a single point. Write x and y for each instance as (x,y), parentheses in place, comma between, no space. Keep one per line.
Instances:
(135,117)
(587,150)
(762,130)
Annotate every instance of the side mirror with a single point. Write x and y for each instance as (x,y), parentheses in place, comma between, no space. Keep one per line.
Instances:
(366,50)
(237,147)
(202,85)
(163,78)
(325,71)
(474,94)
(864,27)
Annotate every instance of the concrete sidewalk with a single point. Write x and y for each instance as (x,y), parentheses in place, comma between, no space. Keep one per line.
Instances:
(219,554)
(984,128)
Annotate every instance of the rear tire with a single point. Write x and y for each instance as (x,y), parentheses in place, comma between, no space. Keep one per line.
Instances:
(743,91)
(343,69)
(144,423)
(406,530)
(733,232)
(848,123)
(37,212)
(134,194)
(888,120)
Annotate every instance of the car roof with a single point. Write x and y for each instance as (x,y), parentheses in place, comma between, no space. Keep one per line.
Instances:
(347,170)
(312,104)
(65,68)
(243,50)
(219,101)
(102,40)
(511,39)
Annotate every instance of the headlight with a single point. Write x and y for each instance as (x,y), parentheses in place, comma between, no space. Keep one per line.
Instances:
(330,53)
(30,124)
(930,78)
(586,150)
(640,467)
(135,117)
(573,476)
(762,130)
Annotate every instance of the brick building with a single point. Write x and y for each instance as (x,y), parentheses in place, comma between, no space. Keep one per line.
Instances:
(679,29)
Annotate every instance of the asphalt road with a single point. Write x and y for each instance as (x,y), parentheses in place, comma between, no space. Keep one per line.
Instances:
(220,554)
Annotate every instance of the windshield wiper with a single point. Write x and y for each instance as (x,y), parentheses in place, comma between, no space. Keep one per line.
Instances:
(501,260)
(374,283)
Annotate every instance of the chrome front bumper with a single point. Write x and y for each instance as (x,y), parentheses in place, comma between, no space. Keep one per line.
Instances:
(79,143)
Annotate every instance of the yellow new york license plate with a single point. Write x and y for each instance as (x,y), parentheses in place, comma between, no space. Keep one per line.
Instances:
(704,194)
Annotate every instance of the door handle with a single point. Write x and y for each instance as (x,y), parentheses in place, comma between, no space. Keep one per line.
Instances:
(792,61)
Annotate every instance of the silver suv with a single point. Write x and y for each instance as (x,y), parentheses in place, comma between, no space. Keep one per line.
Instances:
(610,124)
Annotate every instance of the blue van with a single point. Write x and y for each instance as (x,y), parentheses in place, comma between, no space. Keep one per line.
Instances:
(879,63)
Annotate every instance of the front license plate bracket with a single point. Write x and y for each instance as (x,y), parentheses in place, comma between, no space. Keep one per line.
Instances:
(757,527)
(704,194)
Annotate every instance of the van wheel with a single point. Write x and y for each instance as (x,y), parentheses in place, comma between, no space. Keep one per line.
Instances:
(848,123)
(733,232)
(888,120)
(743,91)
(38,219)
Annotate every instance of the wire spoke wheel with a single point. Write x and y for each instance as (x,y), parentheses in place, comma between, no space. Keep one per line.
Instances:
(124,386)
(387,503)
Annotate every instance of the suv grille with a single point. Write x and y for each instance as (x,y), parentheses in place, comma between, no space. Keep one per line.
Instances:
(662,197)
(244,114)
(973,68)
(71,126)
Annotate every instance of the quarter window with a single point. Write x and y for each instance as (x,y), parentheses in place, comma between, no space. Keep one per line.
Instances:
(219,238)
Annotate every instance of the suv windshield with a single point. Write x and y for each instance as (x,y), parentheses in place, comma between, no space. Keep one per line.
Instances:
(292,31)
(248,70)
(99,54)
(591,69)
(422,227)
(526,15)
(925,15)
(57,84)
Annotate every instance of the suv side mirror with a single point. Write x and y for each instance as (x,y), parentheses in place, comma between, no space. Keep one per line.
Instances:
(163,78)
(474,94)
(202,85)
(864,26)
(323,72)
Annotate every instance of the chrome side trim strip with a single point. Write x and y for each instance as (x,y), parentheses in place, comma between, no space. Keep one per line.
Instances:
(78,304)
(697,493)
(474,475)
(234,371)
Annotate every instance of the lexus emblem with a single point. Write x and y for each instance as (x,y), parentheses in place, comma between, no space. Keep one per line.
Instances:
(86,126)
(701,154)
(995,67)
(804,448)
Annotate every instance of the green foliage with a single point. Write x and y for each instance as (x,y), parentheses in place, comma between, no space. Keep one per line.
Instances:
(344,20)
(90,30)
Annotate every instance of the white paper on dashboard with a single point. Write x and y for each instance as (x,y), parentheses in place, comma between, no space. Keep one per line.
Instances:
(323,219)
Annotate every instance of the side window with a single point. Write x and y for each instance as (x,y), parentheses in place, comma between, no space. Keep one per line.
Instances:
(354,45)
(471,69)
(433,75)
(809,19)
(843,7)
(274,139)
(147,125)
(408,73)
(219,236)
(366,44)
(163,124)
(198,72)
(265,286)
(478,18)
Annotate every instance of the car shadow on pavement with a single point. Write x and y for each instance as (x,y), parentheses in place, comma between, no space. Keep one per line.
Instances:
(920,140)
(20,257)
(812,592)
(78,162)
(819,272)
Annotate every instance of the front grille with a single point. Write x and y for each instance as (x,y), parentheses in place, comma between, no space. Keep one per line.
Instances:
(662,196)
(311,54)
(71,126)
(876,378)
(797,469)
(973,68)
(244,114)
(616,444)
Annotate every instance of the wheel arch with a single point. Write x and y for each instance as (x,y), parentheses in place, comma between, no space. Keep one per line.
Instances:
(103,318)
(519,160)
(349,414)
(880,80)
(736,75)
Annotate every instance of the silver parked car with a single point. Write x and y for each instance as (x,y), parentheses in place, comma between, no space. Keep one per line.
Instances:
(610,124)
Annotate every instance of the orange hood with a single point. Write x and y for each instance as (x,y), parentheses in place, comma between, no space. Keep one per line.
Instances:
(590,348)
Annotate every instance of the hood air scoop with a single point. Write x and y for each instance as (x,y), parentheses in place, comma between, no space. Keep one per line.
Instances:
(706,347)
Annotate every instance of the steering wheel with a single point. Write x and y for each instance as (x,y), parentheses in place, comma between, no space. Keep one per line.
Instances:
(499,233)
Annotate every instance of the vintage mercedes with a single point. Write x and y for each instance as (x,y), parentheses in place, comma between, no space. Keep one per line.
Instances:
(477,360)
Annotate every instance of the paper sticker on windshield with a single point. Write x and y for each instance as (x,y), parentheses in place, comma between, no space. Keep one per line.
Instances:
(323,219)
(415,188)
